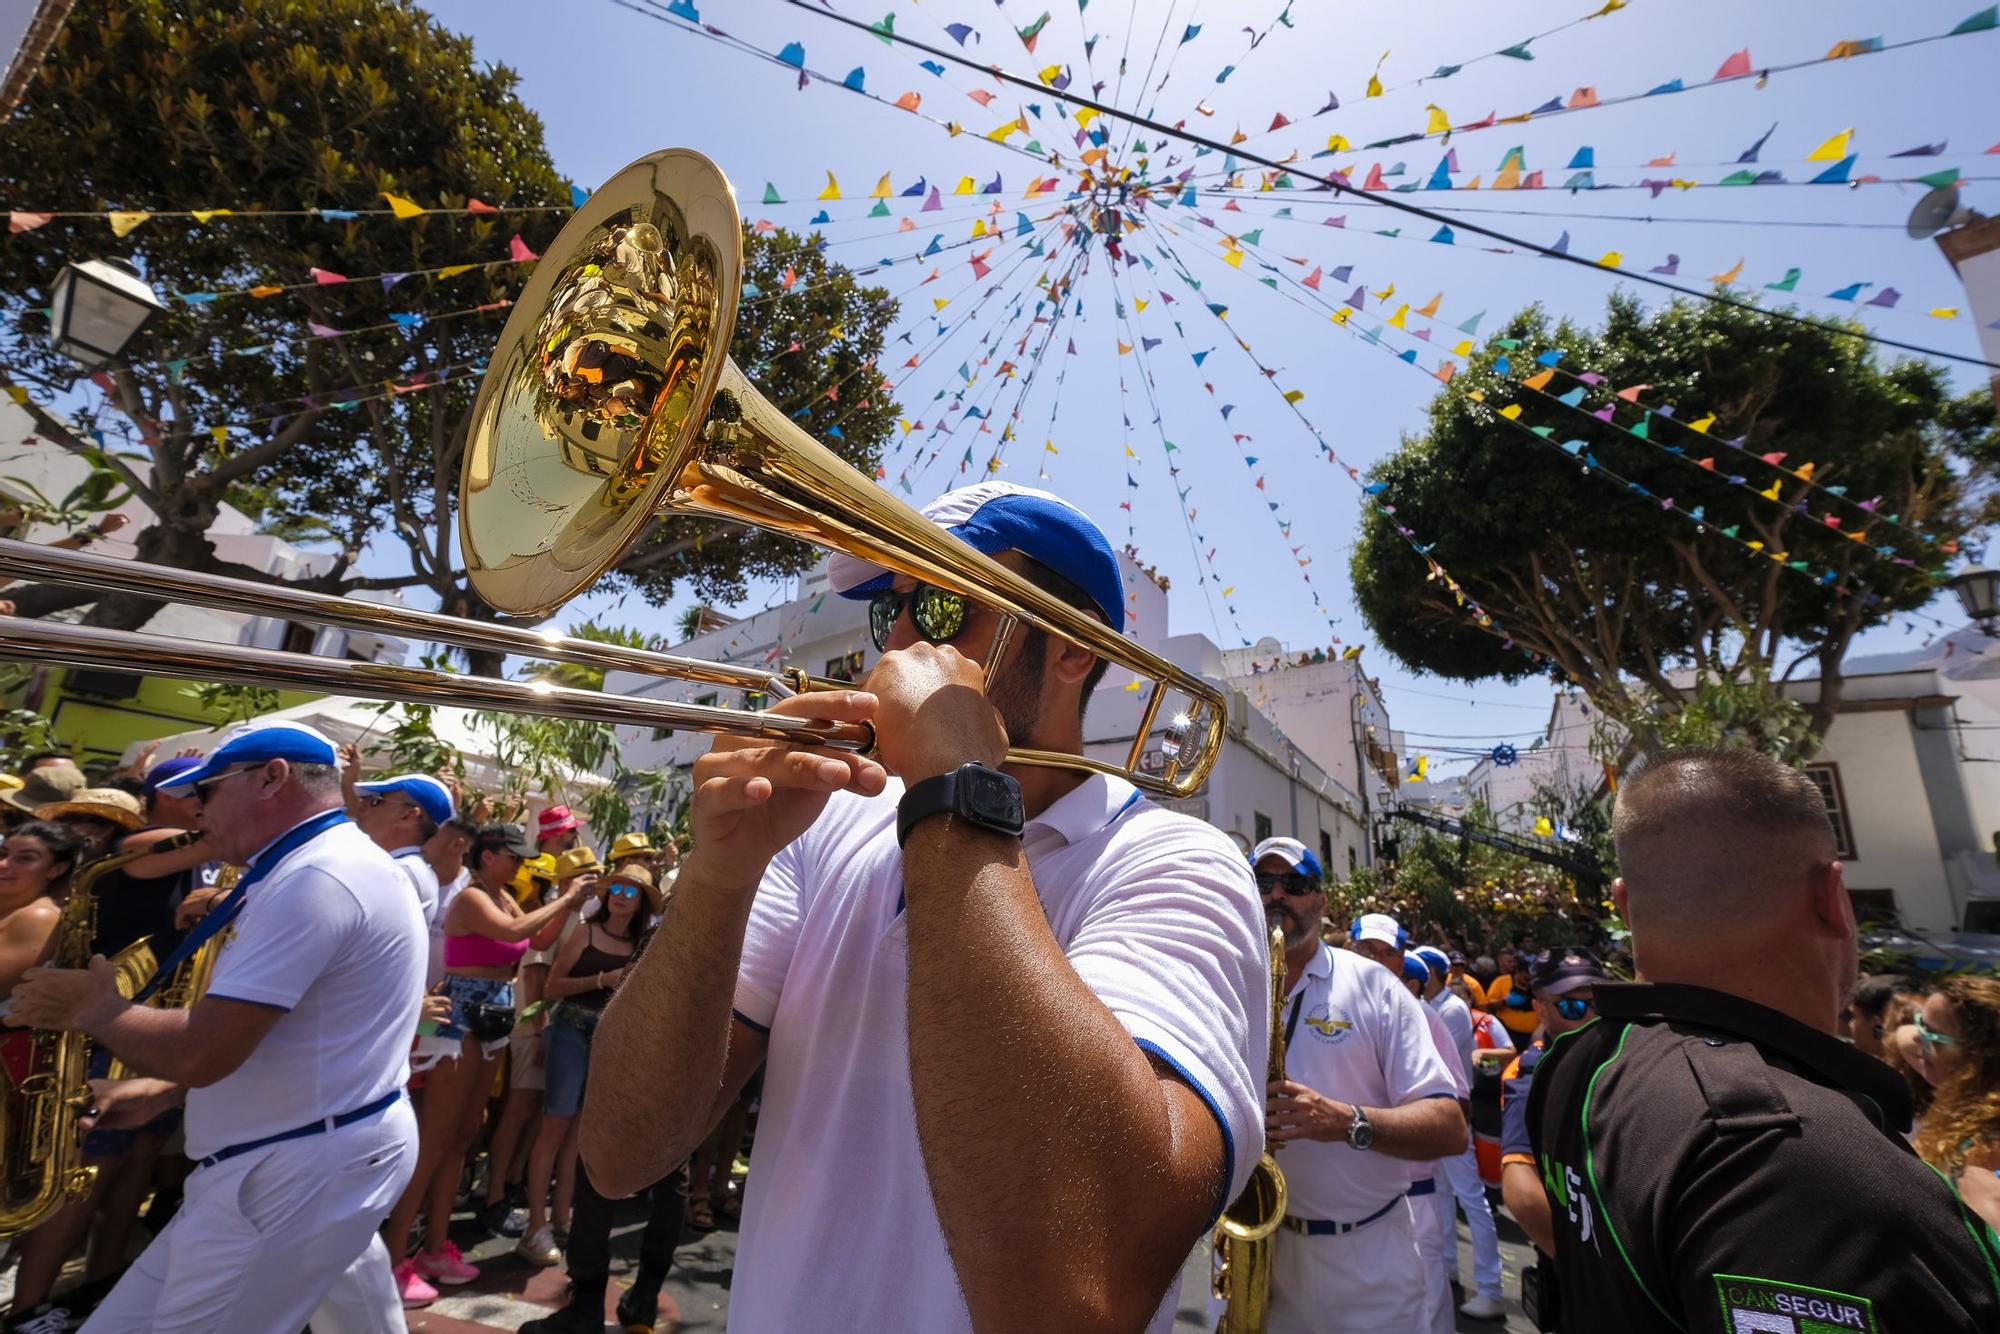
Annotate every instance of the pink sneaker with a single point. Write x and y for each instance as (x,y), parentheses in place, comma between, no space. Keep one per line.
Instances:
(446,1265)
(410,1285)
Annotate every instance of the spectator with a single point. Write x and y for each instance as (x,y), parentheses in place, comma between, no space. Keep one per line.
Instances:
(44,786)
(632,847)
(99,815)
(486,933)
(1880,1006)
(556,830)
(1959,1027)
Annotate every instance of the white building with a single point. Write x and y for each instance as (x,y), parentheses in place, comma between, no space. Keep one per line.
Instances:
(1262,784)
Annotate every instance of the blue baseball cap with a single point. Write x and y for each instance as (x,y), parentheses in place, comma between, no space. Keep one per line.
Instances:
(431,796)
(1002,516)
(165,772)
(1434,959)
(1296,855)
(258,745)
(1415,969)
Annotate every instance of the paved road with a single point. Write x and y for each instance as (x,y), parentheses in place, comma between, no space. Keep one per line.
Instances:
(511,1291)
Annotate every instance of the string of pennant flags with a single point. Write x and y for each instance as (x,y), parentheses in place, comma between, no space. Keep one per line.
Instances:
(1537,381)
(124,221)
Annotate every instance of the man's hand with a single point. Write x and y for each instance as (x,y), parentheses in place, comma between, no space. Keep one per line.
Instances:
(111,522)
(350,775)
(66,998)
(127,1104)
(196,906)
(751,797)
(933,714)
(1293,1111)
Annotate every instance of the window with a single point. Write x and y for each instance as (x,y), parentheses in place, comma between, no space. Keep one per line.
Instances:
(662,733)
(1830,791)
(705,701)
(1325,850)
(299,638)
(846,667)
(756,700)
(1876,906)
(1262,824)
(1353,862)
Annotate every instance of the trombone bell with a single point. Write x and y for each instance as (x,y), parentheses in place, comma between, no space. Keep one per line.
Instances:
(611,400)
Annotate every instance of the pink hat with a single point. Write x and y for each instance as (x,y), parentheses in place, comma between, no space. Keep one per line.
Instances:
(554,820)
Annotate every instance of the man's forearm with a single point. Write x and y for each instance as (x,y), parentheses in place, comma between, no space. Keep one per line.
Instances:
(1521,1190)
(1048,1140)
(157,1043)
(1420,1131)
(659,1051)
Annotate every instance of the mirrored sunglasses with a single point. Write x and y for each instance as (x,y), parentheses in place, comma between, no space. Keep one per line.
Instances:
(1574,1007)
(623,890)
(939,615)
(1289,883)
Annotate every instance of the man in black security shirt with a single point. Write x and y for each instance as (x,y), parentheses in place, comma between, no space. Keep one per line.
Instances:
(1716,1160)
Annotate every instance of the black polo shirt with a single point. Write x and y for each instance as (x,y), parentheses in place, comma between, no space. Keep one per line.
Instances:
(1715,1166)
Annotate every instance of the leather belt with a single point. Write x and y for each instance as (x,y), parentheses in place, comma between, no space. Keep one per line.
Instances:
(1427,1186)
(319,1127)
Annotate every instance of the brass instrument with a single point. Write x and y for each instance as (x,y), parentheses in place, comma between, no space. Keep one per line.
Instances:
(1240,1250)
(41,1146)
(611,402)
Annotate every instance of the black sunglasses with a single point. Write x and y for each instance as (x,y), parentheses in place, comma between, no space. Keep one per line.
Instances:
(1291,883)
(938,614)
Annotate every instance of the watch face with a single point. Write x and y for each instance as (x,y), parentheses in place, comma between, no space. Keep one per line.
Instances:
(991,796)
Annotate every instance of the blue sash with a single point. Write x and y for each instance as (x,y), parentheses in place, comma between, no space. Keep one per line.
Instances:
(225,912)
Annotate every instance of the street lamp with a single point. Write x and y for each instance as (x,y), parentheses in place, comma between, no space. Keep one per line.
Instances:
(97,308)
(1979,592)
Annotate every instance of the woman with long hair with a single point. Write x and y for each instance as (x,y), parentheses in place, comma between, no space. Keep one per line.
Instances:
(589,965)
(486,933)
(1959,1031)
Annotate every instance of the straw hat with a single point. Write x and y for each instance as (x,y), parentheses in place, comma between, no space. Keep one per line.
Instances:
(634,844)
(50,783)
(9,782)
(576,862)
(640,876)
(103,803)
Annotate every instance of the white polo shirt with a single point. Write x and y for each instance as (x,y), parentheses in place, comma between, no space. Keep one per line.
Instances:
(1457,1017)
(1156,911)
(333,938)
(423,881)
(446,893)
(1362,1038)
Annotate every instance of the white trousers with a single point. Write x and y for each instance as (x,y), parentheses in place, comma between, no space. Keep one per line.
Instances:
(1460,1177)
(270,1240)
(1368,1281)
(1429,1210)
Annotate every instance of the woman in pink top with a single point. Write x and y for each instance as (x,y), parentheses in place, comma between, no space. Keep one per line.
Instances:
(485,935)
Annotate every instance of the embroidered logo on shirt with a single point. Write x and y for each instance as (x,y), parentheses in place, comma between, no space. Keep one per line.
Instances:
(1762,1306)
(1329,1023)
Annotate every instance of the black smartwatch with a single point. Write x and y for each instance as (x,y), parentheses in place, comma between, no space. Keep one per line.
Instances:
(974,793)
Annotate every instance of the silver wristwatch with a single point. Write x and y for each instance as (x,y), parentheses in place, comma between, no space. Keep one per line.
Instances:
(1360,1132)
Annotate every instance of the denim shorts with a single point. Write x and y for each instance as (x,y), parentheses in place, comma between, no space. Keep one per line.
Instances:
(473,990)
(566,1051)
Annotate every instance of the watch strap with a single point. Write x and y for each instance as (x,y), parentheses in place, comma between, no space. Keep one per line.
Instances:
(946,794)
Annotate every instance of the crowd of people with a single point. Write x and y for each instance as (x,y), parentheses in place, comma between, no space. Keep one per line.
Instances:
(529,934)
(1009,1030)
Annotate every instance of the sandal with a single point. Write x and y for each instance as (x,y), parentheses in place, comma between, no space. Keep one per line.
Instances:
(731,1207)
(700,1217)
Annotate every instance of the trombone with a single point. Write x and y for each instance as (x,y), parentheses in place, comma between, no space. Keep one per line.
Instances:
(611,403)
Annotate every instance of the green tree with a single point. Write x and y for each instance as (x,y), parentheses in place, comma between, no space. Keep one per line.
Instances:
(1613,591)
(584,677)
(273,105)
(287,105)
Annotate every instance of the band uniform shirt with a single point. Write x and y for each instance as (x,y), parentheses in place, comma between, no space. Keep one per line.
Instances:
(423,882)
(1155,910)
(1457,1017)
(1714,1166)
(332,937)
(1363,1039)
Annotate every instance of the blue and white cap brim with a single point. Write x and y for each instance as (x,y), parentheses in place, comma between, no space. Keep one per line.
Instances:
(259,743)
(1002,516)
(1296,855)
(432,796)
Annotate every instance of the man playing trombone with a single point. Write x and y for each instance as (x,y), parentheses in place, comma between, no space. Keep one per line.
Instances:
(1014,1017)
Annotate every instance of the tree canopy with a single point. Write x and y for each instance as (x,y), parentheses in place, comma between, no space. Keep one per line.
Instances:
(342,405)
(1620,591)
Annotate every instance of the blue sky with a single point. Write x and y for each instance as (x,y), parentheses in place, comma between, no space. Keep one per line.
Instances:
(612,84)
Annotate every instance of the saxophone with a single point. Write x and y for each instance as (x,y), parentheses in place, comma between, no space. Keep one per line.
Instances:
(1241,1246)
(41,1145)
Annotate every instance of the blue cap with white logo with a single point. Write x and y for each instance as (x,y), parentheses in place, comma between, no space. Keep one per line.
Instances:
(258,745)
(1002,516)
(431,796)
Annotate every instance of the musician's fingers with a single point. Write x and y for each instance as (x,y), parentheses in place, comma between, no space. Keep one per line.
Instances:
(813,769)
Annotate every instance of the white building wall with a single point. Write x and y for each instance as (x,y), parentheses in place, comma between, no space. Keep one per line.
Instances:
(1895,838)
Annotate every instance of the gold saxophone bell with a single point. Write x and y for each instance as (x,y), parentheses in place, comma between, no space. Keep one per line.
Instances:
(1240,1250)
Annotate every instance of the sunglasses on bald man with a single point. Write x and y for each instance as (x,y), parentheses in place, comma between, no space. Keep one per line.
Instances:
(1292,884)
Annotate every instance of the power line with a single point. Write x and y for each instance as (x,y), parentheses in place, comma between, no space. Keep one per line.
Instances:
(1402,206)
